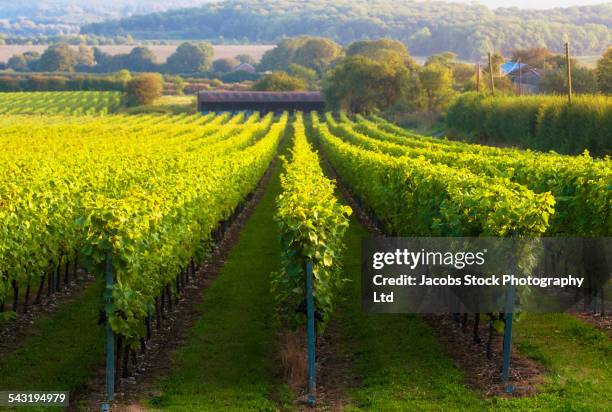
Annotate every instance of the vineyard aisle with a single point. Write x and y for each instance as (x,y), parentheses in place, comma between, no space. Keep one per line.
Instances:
(51,358)
(228,362)
(401,365)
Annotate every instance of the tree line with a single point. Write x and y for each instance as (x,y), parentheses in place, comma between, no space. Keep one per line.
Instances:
(189,58)
(381,74)
(468,30)
(364,76)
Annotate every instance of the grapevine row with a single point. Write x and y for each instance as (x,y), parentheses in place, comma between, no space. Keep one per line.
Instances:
(414,196)
(60,183)
(580,184)
(311,223)
(73,103)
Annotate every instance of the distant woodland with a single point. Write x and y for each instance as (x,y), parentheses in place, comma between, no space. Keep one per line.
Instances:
(424,27)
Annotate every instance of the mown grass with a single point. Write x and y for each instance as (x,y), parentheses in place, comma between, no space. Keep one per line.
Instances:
(578,357)
(402,366)
(61,350)
(228,362)
(398,359)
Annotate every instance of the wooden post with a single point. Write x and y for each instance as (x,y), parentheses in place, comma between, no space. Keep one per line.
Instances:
(478,77)
(520,88)
(492,84)
(569,72)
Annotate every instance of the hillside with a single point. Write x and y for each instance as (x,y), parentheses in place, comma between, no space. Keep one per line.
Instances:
(53,17)
(426,27)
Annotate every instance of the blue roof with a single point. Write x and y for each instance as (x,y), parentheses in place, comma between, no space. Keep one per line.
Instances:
(509,67)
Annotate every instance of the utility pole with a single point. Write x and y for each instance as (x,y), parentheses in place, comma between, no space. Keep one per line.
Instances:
(569,71)
(520,88)
(491,73)
(478,77)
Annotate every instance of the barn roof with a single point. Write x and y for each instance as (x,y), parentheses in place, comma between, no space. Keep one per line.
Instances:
(512,68)
(245,67)
(239,96)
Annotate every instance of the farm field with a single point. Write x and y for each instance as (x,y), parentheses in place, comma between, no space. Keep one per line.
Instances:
(143,202)
(161,52)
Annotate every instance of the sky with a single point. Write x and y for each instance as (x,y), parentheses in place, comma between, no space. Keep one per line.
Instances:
(532,4)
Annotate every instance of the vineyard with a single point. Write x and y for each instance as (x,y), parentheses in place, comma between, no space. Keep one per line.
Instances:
(120,197)
(144,203)
(69,103)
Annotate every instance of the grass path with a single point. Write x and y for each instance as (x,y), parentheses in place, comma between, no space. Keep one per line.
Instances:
(402,366)
(61,352)
(228,361)
(398,359)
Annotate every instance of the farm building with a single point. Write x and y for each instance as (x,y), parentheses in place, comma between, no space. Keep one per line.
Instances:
(233,101)
(522,74)
(245,67)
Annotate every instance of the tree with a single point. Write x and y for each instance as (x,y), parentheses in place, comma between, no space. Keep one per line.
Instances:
(140,59)
(584,80)
(604,72)
(18,63)
(178,83)
(312,52)
(123,76)
(32,58)
(85,56)
(437,83)
(317,53)
(380,49)
(280,57)
(446,59)
(102,59)
(58,58)
(425,26)
(536,57)
(225,65)
(463,74)
(465,77)
(191,58)
(279,82)
(144,89)
(497,59)
(246,58)
(360,84)
(308,75)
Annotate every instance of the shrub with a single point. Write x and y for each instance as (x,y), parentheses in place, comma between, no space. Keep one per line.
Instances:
(280,82)
(144,89)
(9,84)
(225,65)
(538,122)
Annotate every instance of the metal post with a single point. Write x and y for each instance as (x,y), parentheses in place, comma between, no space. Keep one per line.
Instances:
(491,73)
(508,336)
(110,336)
(310,335)
(569,72)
